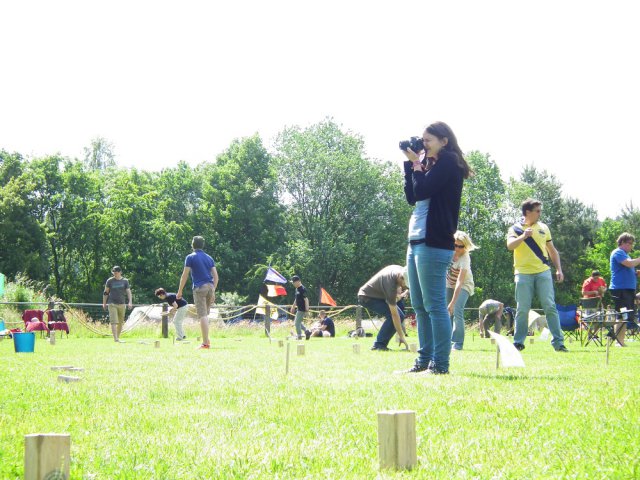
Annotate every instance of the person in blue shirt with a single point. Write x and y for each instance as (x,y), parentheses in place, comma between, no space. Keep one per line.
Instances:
(624,282)
(178,308)
(204,277)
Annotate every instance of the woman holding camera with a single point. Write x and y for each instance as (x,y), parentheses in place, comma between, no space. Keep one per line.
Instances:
(433,184)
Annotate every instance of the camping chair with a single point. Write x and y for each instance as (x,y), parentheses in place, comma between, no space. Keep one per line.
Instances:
(568,323)
(592,319)
(33,321)
(57,321)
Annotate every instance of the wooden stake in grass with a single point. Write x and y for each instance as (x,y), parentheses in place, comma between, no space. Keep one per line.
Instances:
(300,349)
(67,379)
(608,343)
(165,320)
(157,343)
(397,439)
(356,348)
(493,341)
(497,356)
(286,368)
(531,340)
(52,338)
(413,347)
(47,455)
(281,343)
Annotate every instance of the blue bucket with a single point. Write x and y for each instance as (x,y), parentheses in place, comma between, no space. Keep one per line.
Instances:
(24,342)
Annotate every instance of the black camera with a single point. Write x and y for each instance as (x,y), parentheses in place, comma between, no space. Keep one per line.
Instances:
(415,144)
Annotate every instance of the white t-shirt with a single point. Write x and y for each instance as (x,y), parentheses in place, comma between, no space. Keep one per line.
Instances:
(455,267)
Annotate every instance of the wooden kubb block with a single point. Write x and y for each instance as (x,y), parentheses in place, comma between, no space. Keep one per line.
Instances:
(47,455)
(300,349)
(281,343)
(356,348)
(413,347)
(397,439)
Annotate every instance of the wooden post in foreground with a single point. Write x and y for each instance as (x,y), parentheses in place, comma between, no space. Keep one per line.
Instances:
(52,337)
(47,455)
(497,357)
(608,344)
(397,439)
(359,316)
(165,320)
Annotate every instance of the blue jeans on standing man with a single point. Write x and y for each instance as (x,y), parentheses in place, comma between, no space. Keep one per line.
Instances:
(542,285)
(457,335)
(427,272)
(381,307)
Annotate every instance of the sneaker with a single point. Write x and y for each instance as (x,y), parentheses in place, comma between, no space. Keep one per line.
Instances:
(414,369)
(203,347)
(435,371)
(307,334)
(561,348)
(382,349)
(519,346)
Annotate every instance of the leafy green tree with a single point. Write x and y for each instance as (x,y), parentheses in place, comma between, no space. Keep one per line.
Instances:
(240,194)
(346,215)
(23,241)
(483,217)
(100,155)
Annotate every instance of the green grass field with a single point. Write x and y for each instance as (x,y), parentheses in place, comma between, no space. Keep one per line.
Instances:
(231,412)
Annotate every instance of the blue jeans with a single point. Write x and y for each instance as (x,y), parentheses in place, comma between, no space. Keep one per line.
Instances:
(457,335)
(381,307)
(427,271)
(542,285)
(298,322)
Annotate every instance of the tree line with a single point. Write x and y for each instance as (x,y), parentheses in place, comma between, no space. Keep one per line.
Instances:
(315,205)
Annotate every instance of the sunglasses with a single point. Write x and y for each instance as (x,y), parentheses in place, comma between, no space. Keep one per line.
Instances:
(458,246)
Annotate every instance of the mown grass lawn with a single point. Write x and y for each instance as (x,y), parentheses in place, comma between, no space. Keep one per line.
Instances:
(231,412)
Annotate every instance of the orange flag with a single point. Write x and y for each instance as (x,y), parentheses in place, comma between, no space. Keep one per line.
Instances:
(326,298)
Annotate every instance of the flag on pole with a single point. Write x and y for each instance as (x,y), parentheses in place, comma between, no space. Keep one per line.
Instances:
(326,298)
(261,310)
(274,276)
(275,290)
(509,356)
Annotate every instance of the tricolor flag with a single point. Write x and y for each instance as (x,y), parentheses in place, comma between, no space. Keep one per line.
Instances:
(274,276)
(261,310)
(326,298)
(275,290)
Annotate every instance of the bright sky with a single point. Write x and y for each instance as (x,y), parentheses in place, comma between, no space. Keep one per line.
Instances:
(550,83)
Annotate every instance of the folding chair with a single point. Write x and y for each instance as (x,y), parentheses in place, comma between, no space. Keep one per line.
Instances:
(4,332)
(33,321)
(57,321)
(568,322)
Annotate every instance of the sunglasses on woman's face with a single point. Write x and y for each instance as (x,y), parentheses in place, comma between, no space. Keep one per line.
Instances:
(458,246)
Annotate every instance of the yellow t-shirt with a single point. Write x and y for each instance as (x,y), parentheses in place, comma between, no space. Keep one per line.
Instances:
(524,260)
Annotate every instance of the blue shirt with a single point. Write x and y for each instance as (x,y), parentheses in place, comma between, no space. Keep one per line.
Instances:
(200,264)
(418,220)
(171,299)
(622,278)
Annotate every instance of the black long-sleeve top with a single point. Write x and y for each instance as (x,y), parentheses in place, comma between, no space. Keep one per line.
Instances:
(443,185)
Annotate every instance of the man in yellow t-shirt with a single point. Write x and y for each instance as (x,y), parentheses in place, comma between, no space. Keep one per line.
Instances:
(533,251)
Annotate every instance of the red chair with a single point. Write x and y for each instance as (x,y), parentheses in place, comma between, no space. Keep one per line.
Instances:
(33,321)
(57,321)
